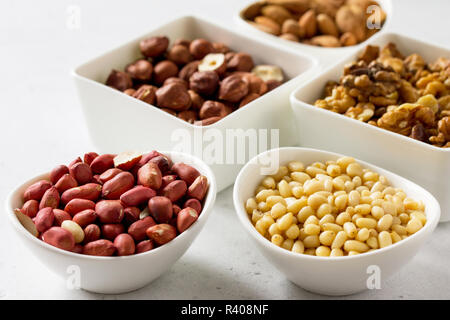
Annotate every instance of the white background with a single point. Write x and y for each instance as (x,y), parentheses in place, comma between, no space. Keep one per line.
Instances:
(41,125)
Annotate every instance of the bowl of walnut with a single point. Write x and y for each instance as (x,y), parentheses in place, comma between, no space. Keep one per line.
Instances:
(388,103)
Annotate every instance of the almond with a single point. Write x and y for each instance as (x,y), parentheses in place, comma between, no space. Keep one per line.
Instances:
(351,19)
(327,26)
(252,10)
(277,13)
(270,25)
(348,39)
(308,22)
(326,41)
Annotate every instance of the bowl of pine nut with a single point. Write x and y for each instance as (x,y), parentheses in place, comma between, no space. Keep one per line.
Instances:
(332,224)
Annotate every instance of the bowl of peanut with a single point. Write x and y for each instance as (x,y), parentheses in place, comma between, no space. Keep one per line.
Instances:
(113,223)
(332,224)
(388,104)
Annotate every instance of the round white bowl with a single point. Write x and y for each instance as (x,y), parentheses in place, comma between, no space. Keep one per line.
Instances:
(332,275)
(113,275)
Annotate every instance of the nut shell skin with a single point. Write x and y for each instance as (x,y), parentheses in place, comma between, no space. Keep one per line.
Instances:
(140,70)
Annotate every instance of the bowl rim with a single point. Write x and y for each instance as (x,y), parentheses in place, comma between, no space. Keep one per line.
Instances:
(206,211)
(387,6)
(429,227)
(298,103)
(313,61)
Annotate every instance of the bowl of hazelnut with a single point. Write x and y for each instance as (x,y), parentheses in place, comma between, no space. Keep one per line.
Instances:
(388,103)
(188,76)
(113,223)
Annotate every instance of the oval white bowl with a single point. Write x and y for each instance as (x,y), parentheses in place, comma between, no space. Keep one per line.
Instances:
(113,275)
(332,275)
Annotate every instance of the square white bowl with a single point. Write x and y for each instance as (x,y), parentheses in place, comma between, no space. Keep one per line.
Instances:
(427,165)
(326,56)
(117,121)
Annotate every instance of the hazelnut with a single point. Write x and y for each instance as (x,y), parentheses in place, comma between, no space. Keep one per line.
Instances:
(220,47)
(170,111)
(154,47)
(179,54)
(119,80)
(207,122)
(197,100)
(248,98)
(229,56)
(268,72)
(140,70)
(176,80)
(214,109)
(173,96)
(240,62)
(272,84)
(130,91)
(255,84)
(213,62)
(188,116)
(188,70)
(182,42)
(204,82)
(200,48)
(146,93)
(233,88)
(163,70)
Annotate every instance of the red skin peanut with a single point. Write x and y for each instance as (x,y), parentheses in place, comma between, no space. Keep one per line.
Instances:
(77,205)
(66,182)
(60,216)
(137,229)
(58,172)
(137,196)
(60,238)
(37,190)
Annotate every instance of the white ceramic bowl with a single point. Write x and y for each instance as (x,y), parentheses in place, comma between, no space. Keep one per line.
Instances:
(332,275)
(326,56)
(142,125)
(113,275)
(427,165)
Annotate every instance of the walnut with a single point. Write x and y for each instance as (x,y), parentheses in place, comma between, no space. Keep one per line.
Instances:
(407,92)
(444,127)
(370,53)
(402,118)
(362,111)
(440,64)
(414,62)
(340,100)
